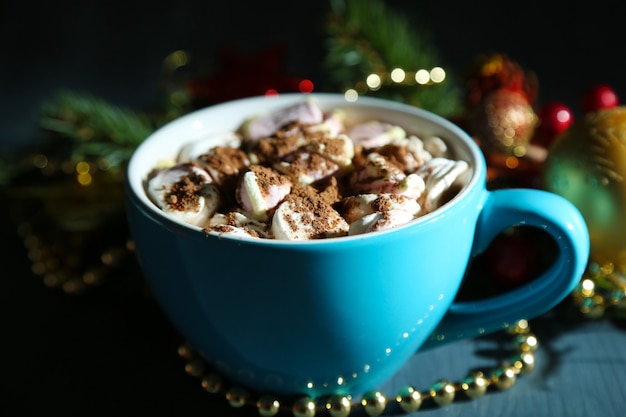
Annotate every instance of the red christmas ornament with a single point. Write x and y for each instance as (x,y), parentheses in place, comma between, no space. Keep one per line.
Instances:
(496,71)
(599,97)
(511,259)
(553,119)
(239,76)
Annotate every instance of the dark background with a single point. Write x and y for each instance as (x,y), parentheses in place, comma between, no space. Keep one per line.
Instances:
(111,352)
(114,49)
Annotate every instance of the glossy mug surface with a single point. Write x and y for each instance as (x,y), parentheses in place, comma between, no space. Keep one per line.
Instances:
(340,315)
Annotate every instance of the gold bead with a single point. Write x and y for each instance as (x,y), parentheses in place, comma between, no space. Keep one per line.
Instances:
(504,377)
(527,342)
(39,268)
(94,276)
(195,367)
(268,406)
(475,385)
(524,363)
(593,307)
(338,406)
(236,397)
(520,327)
(74,286)
(303,407)
(442,392)
(212,383)
(185,351)
(587,288)
(409,399)
(374,403)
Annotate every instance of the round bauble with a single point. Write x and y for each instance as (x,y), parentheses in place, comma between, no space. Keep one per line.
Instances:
(599,97)
(554,118)
(587,166)
(504,122)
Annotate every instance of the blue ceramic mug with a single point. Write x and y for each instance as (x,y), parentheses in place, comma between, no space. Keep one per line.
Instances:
(340,315)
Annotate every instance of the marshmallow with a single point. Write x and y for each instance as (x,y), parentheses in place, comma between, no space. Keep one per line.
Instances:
(339,149)
(373,134)
(410,186)
(223,163)
(300,218)
(436,147)
(378,221)
(361,205)
(306,113)
(378,175)
(332,125)
(306,168)
(278,146)
(409,152)
(185,192)
(440,174)
(236,224)
(190,151)
(260,190)
(357,206)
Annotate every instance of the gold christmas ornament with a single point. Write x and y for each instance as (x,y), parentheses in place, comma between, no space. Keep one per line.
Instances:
(504,122)
(587,165)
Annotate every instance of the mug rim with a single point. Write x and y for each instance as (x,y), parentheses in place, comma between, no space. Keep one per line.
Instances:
(136,172)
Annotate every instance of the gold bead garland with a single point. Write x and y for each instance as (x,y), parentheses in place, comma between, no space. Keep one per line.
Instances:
(601,289)
(58,269)
(374,403)
(70,217)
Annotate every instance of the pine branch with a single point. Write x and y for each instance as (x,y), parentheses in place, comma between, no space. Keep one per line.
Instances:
(95,128)
(366,37)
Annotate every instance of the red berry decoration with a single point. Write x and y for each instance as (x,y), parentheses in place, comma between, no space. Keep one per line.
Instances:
(599,97)
(554,118)
(511,259)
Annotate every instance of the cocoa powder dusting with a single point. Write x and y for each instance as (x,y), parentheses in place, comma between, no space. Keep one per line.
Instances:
(185,194)
(324,181)
(397,155)
(224,162)
(315,209)
(282,143)
(267,177)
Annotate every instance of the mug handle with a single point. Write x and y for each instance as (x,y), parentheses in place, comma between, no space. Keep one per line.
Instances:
(521,207)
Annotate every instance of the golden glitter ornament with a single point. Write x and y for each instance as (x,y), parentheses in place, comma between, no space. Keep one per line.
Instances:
(504,122)
(588,167)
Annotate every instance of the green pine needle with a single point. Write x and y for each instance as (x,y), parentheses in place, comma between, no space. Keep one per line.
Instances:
(84,117)
(367,37)
(94,128)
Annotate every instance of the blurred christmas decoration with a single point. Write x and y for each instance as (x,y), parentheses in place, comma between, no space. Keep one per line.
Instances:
(587,165)
(504,121)
(544,147)
(239,76)
(374,50)
(599,97)
(499,112)
(496,71)
(67,196)
(553,118)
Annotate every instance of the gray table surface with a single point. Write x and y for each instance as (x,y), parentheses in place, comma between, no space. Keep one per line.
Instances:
(112,351)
